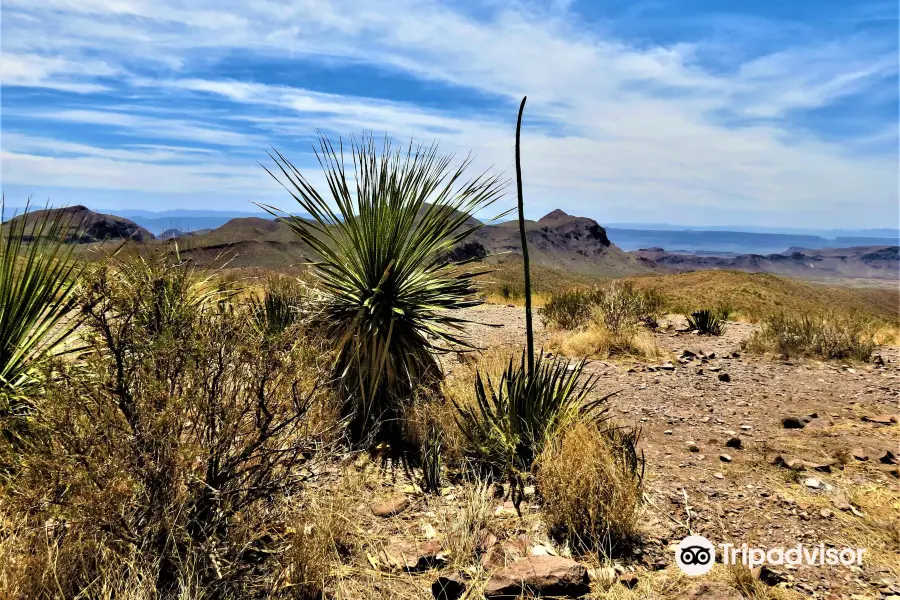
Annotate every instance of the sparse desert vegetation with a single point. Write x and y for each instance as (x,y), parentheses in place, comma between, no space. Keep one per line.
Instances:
(172,429)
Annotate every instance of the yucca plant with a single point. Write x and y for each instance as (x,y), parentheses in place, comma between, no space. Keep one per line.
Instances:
(37,287)
(512,421)
(707,322)
(382,236)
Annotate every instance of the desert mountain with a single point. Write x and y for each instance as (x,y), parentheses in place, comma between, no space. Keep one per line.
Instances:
(871,262)
(86,226)
(557,241)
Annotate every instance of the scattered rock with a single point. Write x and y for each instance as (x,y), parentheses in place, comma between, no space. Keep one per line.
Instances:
(812,483)
(718,476)
(734,442)
(825,513)
(881,419)
(725,458)
(713,590)
(667,432)
(448,587)
(792,423)
(770,576)
(859,454)
(391,507)
(540,576)
(411,557)
(725,377)
(667,367)
(692,447)
(878,360)
(629,580)
(888,458)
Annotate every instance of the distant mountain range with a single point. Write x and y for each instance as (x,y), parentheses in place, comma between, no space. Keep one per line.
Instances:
(556,241)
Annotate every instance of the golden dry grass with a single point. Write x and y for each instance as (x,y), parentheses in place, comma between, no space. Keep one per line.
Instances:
(591,494)
(596,341)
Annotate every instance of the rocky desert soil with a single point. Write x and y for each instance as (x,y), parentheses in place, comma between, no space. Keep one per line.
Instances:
(755,450)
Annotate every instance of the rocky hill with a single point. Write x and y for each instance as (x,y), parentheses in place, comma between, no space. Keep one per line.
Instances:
(562,241)
(86,226)
(871,262)
(556,241)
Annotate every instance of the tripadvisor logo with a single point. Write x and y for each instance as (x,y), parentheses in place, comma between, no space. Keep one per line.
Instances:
(695,555)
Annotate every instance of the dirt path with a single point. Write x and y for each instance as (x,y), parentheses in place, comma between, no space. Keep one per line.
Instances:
(742,497)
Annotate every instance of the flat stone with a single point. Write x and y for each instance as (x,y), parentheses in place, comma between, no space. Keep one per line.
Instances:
(881,419)
(411,557)
(392,506)
(725,377)
(792,423)
(539,576)
(888,458)
(859,454)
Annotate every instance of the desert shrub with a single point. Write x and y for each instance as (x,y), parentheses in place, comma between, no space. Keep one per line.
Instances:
(827,336)
(385,281)
(707,321)
(168,442)
(38,280)
(569,309)
(590,479)
(619,305)
(511,422)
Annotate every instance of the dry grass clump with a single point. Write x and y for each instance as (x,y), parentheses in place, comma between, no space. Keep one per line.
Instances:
(591,480)
(824,335)
(612,320)
(596,341)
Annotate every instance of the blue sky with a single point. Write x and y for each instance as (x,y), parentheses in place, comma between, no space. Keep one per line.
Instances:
(697,112)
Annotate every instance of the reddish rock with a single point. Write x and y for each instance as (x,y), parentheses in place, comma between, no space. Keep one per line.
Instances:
(391,507)
(402,556)
(539,576)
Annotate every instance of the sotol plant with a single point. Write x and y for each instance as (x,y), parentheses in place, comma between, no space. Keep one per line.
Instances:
(382,263)
(707,322)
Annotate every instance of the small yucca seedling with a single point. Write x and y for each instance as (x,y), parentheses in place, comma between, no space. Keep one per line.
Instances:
(431,462)
(707,322)
(387,285)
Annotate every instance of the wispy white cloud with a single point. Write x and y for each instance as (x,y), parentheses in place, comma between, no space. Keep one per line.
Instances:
(611,127)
